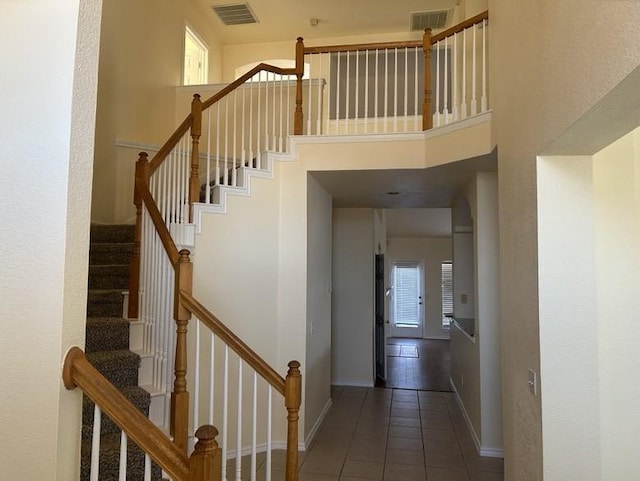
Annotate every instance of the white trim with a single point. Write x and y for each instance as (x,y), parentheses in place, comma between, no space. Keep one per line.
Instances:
(483,451)
(459,327)
(316,426)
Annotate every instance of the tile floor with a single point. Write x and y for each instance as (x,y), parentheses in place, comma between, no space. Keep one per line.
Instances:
(378,434)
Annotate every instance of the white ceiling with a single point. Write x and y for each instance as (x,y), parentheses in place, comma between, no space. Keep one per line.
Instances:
(289,19)
(418,222)
(435,187)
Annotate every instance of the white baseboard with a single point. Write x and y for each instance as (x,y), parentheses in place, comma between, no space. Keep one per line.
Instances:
(343,383)
(316,426)
(482,450)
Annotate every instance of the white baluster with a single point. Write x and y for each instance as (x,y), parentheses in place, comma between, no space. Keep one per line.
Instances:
(207,194)
(273,115)
(281,102)
(218,143)
(319,113)
(308,104)
(328,94)
(258,132)
(225,412)
(483,100)
(338,81)
(386,89)
(474,101)
(243,150)
(239,425)
(147,467)
(234,158)
(463,105)
(254,425)
(269,442)
(226,141)
(357,77)
(375,100)
(95,444)
(395,90)
(416,117)
(346,98)
(446,80)
(437,116)
(196,384)
(455,77)
(122,469)
(266,113)
(212,373)
(288,113)
(406,87)
(366,91)
(251,163)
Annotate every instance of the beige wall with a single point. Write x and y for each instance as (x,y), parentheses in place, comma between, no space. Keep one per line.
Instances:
(47,142)
(543,80)
(141,56)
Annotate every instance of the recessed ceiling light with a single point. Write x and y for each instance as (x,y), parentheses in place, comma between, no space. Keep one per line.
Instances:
(393,193)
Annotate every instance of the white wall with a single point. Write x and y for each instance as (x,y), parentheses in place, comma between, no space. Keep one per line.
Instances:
(547,69)
(318,339)
(463,275)
(352,313)
(431,252)
(46,131)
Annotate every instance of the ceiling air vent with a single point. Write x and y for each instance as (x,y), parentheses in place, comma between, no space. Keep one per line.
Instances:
(235,14)
(435,19)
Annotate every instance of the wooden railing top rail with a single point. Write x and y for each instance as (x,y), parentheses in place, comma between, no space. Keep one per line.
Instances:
(161,228)
(234,342)
(398,44)
(182,129)
(240,80)
(470,22)
(78,372)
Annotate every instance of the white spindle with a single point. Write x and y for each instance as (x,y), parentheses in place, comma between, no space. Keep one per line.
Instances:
(243,149)
(212,372)
(208,187)
(328,104)
(463,105)
(269,443)
(196,387)
(474,101)
(338,78)
(226,141)
(346,97)
(308,103)
(239,425)
(375,100)
(254,424)
(251,124)
(406,86)
(281,102)
(258,132)
(225,412)
(395,90)
(273,114)
(446,80)
(455,77)
(366,91)
(234,126)
(95,444)
(357,77)
(437,119)
(319,112)
(483,100)
(122,470)
(288,113)
(416,117)
(218,143)
(147,467)
(266,113)
(386,88)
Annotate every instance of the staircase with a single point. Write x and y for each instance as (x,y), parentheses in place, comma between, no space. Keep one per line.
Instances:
(107,348)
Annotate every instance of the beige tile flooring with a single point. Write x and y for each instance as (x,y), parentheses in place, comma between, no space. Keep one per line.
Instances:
(377,434)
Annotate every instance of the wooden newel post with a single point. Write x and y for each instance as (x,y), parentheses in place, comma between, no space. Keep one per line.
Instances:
(292,401)
(205,462)
(427,119)
(180,395)
(297,117)
(196,131)
(142,172)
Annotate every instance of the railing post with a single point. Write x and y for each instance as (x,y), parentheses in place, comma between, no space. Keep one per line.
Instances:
(180,395)
(205,462)
(142,172)
(292,400)
(298,118)
(196,131)
(427,120)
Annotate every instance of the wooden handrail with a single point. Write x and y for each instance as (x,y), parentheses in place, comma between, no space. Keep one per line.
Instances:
(234,342)
(168,146)
(161,228)
(240,80)
(78,372)
(362,46)
(470,22)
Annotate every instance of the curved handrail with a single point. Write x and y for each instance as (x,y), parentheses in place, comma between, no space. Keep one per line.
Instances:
(470,22)
(234,342)
(78,372)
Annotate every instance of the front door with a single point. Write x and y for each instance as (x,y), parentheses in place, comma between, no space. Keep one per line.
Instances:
(407,302)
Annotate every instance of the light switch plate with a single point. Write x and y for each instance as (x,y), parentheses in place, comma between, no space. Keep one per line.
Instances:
(533,382)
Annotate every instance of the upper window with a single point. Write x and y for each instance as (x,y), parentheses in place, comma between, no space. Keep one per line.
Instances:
(196,59)
(447,293)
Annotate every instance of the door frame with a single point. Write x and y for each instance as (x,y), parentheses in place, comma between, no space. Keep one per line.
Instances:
(407,331)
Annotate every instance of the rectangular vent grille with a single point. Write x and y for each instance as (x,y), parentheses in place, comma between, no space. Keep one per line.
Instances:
(434,19)
(236,14)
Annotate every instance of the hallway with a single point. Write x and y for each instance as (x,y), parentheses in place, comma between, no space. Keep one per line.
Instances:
(377,434)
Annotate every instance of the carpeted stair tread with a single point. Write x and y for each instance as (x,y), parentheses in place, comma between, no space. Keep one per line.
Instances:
(119,367)
(112,233)
(109,277)
(106,334)
(104,303)
(110,253)
(110,460)
(140,398)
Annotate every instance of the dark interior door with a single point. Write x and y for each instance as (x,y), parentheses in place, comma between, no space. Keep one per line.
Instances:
(379,319)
